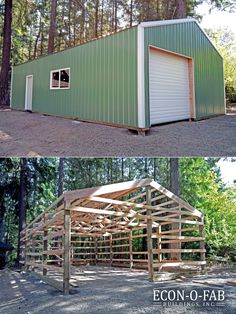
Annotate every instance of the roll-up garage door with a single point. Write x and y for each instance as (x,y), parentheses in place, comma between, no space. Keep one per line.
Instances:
(168,87)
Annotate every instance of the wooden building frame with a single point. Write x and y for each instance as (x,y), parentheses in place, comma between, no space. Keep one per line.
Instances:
(98,226)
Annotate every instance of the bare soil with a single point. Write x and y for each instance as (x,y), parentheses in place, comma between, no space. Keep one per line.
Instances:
(26,134)
(105,290)
(231,109)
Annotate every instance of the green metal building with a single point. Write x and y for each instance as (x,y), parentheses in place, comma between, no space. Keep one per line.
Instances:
(153,73)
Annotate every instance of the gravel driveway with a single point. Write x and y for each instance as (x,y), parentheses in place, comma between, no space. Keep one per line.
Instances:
(26,134)
(113,291)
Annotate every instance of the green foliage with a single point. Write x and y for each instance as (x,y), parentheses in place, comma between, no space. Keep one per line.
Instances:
(78,21)
(225,42)
(201,186)
(224,5)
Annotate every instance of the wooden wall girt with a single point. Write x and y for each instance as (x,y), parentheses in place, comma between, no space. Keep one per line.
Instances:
(100,227)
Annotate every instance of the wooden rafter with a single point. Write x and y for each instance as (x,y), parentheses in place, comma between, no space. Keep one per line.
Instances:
(99,225)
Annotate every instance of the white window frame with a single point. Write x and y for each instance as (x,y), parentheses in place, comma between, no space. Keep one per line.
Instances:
(59,70)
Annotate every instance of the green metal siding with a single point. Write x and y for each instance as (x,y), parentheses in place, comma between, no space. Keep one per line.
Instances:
(103,81)
(104,76)
(188,39)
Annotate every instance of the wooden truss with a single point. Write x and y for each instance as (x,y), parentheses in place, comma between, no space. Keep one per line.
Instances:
(99,226)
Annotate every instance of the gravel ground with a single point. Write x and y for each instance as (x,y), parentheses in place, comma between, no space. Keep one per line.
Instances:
(25,134)
(100,291)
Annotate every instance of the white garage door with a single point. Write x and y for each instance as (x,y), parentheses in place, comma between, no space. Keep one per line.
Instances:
(169,87)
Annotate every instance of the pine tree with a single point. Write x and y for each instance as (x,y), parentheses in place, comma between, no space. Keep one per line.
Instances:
(52,29)
(6,55)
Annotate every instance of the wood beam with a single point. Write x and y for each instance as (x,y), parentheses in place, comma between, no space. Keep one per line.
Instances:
(172,196)
(131,248)
(202,243)
(149,235)
(67,245)
(100,190)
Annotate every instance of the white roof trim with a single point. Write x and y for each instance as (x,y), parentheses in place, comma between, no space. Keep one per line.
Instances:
(166,22)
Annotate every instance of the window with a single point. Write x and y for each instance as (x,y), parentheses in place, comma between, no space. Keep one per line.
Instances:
(60,79)
(55,80)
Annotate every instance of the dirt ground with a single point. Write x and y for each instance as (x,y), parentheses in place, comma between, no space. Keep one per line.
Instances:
(104,290)
(26,134)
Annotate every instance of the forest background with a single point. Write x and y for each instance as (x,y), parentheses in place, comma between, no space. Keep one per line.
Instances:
(28,186)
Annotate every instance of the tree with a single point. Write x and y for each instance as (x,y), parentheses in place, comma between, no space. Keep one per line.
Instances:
(224,5)
(60,177)
(22,202)
(181,9)
(41,26)
(6,55)
(52,29)
(175,188)
(174,176)
(97,3)
(225,42)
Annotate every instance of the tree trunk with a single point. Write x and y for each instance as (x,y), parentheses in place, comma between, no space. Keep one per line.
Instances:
(181,9)
(36,42)
(82,24)
(22,203)
(42,16)
(175,188)
(96,18)
(131,13)
(74,23)
(69,22)
(115,16)
(61,177)
(174,176)
(122,169)
(52,29)
(6,55)
(102,17)
(154,169)
(2,230)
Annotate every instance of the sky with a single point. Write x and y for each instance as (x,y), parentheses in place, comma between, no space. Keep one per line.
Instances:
(216,18)
(228,171)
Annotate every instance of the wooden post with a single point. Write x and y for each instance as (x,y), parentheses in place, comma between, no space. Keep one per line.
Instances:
(159,245)
(45,246)
(111,253)
(22,250)
(149,235)
(96,250)
(131,248)
(26,252)
(33,258)
(176,226)
(72,251)
(202,243)
(67,245)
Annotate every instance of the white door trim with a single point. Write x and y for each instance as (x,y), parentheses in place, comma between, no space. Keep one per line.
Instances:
(141,79)
(26,92)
